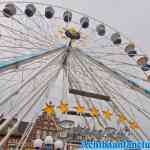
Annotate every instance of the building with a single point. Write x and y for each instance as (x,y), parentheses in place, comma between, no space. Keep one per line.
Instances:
(64,130)
(43,127)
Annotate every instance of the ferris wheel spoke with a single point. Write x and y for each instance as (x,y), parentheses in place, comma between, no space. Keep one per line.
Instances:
(11,83)
(27,28)
(88,101)
(17,47)
(28,59)
(114,87)
(101,85)
(37,24)
(26,67)
(108,87)
(101,70)
(140,138)
(131,75)
(37,90)
(21,70)
(52,31)
(50,27)
(29,109)
(120,96)
(118,62)
(114,74)
(27,81)
(20,41)
(82,78)
(7,49)
(138,108)
(82,72)
(50,37)
(7,81)
(125,73)
(25,94)
(129,115)
(77,99)
(103,46)
(21,33)
(73,80)
(55,32)
(95,87)
(19,121)
(103,53)
(144,134)
(92,76)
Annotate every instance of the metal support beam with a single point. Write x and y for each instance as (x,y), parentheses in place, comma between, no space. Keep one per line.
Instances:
(89,94)
(17,63)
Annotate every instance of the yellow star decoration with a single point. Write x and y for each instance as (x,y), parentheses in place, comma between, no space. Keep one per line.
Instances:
(63,107)
(107,115)
(94,112)
(122,119)
(49,109)
(79,109)
(134,125)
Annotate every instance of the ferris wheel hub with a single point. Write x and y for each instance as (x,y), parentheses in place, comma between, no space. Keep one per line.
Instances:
(72,34)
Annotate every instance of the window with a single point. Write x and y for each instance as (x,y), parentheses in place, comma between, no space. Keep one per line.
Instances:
(11,147)
(38,133)
(44,134)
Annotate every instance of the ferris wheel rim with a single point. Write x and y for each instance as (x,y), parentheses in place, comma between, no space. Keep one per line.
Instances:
(65,8)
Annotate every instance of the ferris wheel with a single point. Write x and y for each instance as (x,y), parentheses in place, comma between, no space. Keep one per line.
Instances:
(102,71)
